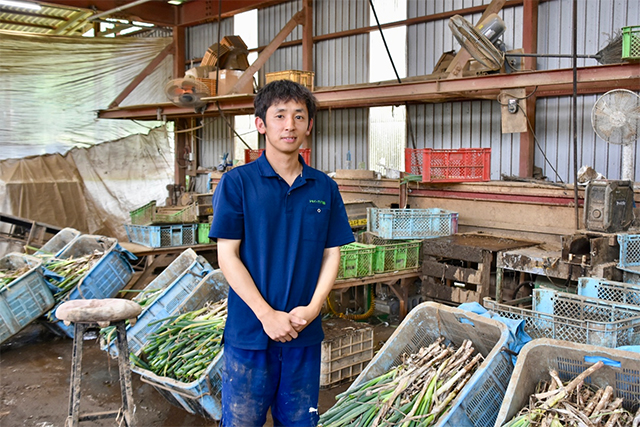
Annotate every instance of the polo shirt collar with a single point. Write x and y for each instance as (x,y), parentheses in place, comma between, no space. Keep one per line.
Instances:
(266,169)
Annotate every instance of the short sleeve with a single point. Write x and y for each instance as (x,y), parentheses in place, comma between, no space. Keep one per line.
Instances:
(228,214)
(340,232)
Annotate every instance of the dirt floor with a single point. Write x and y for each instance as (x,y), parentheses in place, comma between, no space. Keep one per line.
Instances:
(35,367)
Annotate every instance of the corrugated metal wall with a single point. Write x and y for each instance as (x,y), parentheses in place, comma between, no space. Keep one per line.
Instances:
(200,37)
(556,141)
(345,60)
(448,125)
(215,139)
(270,22)
(598,22)
(336,133)
(468,124)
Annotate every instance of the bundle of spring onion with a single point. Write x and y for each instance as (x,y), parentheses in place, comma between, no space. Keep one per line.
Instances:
(72,270)
(145,298)
(416,393)
(8,275)
(184,346)
(558,404)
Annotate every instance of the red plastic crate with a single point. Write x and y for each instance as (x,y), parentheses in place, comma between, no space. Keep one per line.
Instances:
(251,155)
(449,165)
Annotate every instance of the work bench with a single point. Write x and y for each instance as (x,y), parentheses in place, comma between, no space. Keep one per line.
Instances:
(152,258)
(398,282)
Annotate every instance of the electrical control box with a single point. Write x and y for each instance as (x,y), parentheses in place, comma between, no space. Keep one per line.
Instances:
(608,205)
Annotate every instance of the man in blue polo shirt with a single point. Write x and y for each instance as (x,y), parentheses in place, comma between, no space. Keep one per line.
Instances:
(279,225)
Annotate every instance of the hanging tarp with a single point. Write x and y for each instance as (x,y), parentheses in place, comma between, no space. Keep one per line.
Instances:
(52,86)
(92,190)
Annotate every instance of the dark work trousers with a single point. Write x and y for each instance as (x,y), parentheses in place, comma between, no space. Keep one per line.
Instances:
(285,379)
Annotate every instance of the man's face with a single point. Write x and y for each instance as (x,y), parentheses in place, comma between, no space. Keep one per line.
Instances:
(287,126)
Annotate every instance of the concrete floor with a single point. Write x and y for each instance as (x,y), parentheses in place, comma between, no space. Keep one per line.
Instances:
(35,370)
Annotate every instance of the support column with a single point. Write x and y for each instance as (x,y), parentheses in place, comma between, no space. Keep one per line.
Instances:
(178,52)
(307,36)
(529,45)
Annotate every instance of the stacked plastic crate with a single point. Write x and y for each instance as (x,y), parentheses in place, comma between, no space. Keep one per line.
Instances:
(157,227)
(578,318)
(24,294)
(187,284)
(629,261)
(104,278)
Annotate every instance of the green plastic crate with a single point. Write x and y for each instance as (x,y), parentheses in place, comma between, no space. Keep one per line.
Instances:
(144,214)
(396,255)
(203,233)
(631,42)
(356,260)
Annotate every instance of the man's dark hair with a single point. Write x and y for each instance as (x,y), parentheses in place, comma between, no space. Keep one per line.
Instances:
(283,91)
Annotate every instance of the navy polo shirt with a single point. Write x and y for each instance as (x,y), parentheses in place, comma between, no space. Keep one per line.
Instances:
(284,231)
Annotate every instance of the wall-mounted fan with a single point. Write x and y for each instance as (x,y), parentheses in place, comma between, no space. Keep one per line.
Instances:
(615,118)
(186,92)
(482,42)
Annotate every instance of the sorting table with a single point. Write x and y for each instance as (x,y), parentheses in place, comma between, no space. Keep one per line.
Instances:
(398,282)
(161,257)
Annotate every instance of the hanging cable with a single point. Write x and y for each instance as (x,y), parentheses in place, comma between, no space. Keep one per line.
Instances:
(406,104)
(535,138)
(231,126)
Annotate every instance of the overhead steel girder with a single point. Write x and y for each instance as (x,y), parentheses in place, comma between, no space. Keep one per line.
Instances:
(598,79)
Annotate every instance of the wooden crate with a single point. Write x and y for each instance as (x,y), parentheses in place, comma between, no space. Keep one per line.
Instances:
(305,78)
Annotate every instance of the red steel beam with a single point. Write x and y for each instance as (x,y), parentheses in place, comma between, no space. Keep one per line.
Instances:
(595,79)
(591,80)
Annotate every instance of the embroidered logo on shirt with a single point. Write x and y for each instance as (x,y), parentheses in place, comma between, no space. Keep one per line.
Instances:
(320,202)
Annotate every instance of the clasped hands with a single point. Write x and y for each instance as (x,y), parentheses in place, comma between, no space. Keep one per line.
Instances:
(282,326)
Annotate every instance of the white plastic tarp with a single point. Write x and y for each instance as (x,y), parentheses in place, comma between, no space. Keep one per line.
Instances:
(52,86)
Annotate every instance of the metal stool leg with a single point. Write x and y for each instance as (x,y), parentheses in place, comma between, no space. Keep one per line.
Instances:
(125,374)
(73,418)
(126,411)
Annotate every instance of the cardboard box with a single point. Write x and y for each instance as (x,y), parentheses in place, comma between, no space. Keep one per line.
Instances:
(228,78)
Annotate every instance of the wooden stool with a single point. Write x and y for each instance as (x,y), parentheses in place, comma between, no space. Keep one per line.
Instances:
(99,313)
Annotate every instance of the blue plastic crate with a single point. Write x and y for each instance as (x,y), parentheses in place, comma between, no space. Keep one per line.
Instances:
(477,404)
(107,276)
(58,243)
(26,298)
(411,223)
(575,318)
(632,278)
(629,252)
(160,236)
(609,290)
(178,280)
(202,396)
(620,370)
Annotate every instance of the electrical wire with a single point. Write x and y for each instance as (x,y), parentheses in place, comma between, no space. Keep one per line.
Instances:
(231,126)
(384,41)
(535,138)
(515,97)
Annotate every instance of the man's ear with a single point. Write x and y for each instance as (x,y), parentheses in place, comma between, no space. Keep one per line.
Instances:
(261,126)
(309,127)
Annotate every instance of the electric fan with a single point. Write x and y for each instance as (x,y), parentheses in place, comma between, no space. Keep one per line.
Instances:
(482,42)
(186,92)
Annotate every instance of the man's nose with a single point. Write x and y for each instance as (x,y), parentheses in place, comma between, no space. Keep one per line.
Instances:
(289,122)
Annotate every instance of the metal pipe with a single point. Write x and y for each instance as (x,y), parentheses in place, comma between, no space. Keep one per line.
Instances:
(574,110)
(549,55)
(117,9)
